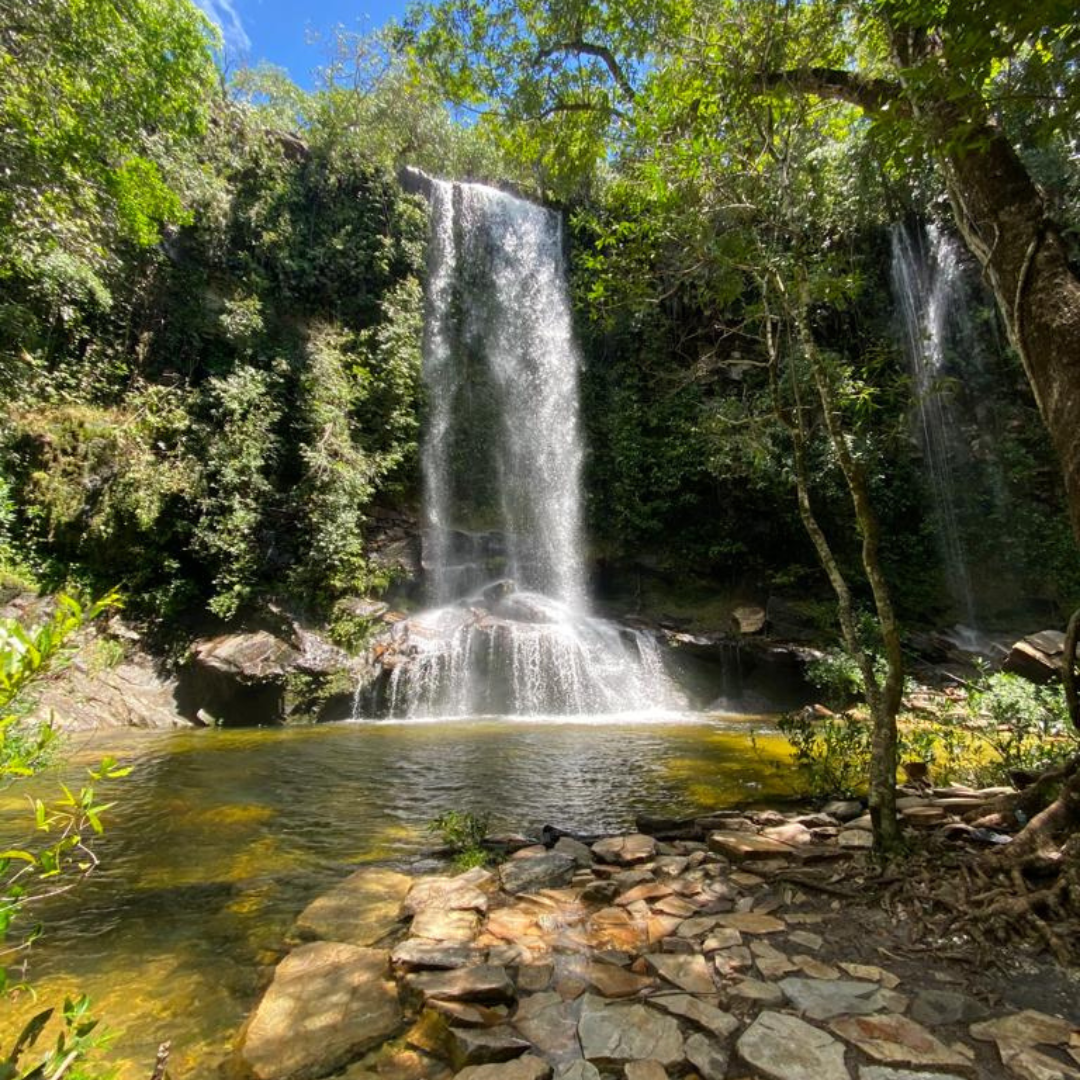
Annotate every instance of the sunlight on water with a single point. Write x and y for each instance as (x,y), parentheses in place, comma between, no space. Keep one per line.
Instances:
(220,838)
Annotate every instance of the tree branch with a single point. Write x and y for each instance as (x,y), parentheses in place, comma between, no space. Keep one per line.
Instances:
(871,95)
(599,52)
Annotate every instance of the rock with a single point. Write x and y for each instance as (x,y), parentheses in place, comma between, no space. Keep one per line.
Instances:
(742,847)
(237,678)
(614,982)
(676,905)
(856,839)
(815,968)
(721,937)
(750,922)
(1030,1064)
(616,1034)
(788,833)
(484,983)
(688,972)
(533,978)
(895,1038)
(328,1003)
(843,809)
(548,1023)
(707,1056)
(819,999)
(580,1070)
(1037,657)
(645,1070)
(579,852)
(871,974)
(882,1072)
(484,1046)
(748,619)
(439,925)
(462,1014)
(790,620)
(420,953)
(360,910)
(625,850)
(718,1023)
(755,990)
(939,1008)
(806,939)
(548,871)
(783,1047)
(449,893)
(522,1068)
(600,892)
(1027,1028)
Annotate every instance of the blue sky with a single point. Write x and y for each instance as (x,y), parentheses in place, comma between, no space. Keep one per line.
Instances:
(280,30)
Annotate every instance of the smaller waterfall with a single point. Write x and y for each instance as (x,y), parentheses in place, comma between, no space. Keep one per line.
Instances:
(926,278)
(509,631)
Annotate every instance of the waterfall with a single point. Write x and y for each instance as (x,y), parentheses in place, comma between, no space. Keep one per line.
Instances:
(508,630)
(927,283)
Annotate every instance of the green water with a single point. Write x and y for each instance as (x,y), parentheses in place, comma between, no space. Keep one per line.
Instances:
(220,838)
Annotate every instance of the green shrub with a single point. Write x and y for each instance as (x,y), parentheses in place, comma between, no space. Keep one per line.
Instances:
(463,833)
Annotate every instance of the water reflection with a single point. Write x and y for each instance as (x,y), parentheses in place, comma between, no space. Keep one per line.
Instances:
(221,837)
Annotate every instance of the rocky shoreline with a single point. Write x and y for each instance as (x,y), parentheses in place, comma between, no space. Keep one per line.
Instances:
(704,953)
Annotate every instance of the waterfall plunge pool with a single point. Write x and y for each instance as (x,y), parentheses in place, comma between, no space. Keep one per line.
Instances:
(221,837)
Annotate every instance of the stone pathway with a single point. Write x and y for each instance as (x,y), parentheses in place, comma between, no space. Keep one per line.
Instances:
(634,959)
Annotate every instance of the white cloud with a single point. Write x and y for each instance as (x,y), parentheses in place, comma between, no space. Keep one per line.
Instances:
(224,13)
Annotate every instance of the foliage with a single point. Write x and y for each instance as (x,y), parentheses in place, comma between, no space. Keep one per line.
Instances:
(837,675)
(463,833)
(67,825)
(832,753)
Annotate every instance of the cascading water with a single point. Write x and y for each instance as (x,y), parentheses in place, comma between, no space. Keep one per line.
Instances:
(509,630)
(926,281)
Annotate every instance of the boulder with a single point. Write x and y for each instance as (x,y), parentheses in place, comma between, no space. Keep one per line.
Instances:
(328,1003)
(625,850)
(548,871)
(361,910)
(748,619)
(483,982)
(1038,657)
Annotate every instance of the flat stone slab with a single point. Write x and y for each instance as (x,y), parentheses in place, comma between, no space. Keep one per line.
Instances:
(750,922)
(580,1070)
(689,972)
(894,1038)
(449,893)
(616,1034)
(1027,1028)
(1027,1063)
(484,983)
(821,999)
(715,1021)
(360,910)
(485,1046)
(549,1023)
(742,847)
(783,1047)
(645,1070)
(614,982)
(422,953)
(883,1072)
(522,1068)
(329,1002)
(938,1008)
(548,871)
(441,925)
(708,1056)
(625,850)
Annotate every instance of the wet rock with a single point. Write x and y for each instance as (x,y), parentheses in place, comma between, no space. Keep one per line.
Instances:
(819,999)
(742,847)
(522,1068)
(708,1056)
(676,905)
(896,1039)
(484,1046)
(1037,657)
(463,1014)
(328,1003)
(360,910)
(484,983)
(783,1047)
(882,1072)
(616,1034)
(533,978)
(715,1021)
(421,953)
(600,892)
(614,982)
(625,850)
(460,893)
(548,1022)
(579,852)
(548,871)
(688,972)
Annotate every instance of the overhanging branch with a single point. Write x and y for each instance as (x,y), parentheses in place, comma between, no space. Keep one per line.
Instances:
(599,52)
(872,95)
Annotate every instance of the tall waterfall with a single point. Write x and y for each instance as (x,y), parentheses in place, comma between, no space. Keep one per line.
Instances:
(926,282)
(509,629)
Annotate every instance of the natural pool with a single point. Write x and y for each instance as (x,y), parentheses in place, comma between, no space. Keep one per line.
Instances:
(221,837)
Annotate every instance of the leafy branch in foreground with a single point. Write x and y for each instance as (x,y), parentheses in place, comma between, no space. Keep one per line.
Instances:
(66,825)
